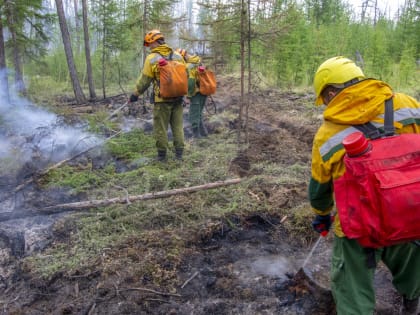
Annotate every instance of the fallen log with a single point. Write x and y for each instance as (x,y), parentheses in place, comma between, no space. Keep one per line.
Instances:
(129,199)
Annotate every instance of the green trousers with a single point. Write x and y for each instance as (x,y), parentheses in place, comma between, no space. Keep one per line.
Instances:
(195,114)
(352,280)
(165,115)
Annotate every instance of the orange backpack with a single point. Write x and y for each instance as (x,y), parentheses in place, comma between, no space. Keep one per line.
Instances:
(206,80)
(173,78)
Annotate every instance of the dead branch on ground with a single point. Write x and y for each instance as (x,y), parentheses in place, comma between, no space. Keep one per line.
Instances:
(6,216)
(147,196)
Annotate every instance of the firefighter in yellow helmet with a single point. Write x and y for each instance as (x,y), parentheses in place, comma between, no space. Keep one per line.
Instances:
(195,99)
(352,99)
(166,111)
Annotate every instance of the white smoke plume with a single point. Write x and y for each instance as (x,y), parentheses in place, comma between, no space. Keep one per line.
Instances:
(31,133)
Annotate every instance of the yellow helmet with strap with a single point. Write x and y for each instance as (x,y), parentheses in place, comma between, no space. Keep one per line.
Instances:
(336,71)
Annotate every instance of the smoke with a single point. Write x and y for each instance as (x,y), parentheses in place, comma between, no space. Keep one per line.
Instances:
(29,133)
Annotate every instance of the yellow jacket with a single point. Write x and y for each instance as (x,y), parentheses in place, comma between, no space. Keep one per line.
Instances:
(192,64)
(151,72)
(356,104)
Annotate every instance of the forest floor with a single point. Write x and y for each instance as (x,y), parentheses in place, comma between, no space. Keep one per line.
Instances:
(241,261)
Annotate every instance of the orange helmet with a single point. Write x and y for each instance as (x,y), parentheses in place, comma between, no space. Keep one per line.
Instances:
(181,51)
(151,37)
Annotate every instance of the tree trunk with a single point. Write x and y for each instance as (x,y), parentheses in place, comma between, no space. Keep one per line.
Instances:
(4,82)
(78,92)
(87,51)
(103,56)
(17,60)
(248,95)
(242,70)
(77,25)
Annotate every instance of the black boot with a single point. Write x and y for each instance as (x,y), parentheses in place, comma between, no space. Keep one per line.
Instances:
(203,130)
(161,156)
(178,153)
(196,132)
(409,307)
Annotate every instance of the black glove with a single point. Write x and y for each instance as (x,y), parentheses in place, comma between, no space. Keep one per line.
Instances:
(133,98)
(322,224)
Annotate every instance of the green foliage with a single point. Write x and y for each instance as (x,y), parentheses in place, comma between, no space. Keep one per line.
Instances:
(289,39)
(408,73)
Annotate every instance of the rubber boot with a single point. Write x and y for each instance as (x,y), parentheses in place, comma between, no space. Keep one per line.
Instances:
(161,156)
(178,153)
(196,132)
(409,307)
(203,130)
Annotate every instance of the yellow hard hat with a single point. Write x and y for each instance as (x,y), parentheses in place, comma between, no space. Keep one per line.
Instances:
(151,37)
(335,71)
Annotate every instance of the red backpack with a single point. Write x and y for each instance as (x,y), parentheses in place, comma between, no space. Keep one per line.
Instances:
(378,197)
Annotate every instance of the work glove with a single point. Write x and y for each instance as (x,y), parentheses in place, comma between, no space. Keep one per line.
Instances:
(133,98)
(322,224)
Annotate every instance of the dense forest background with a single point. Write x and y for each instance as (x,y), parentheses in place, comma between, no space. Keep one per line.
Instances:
(94,47)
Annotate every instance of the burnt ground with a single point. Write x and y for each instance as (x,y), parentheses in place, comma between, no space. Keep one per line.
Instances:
(242,264)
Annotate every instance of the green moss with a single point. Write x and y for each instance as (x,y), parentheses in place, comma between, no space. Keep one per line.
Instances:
(131,145)
(68,176)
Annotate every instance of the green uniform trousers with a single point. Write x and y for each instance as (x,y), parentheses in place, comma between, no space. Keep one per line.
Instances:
(198,101)
(352,280)
(165,114)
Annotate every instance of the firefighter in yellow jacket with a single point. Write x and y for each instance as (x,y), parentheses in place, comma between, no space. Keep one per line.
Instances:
(196,100)
(352,99)
(166,111)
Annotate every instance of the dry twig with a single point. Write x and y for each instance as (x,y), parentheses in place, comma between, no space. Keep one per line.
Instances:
(151,291)
(189,279)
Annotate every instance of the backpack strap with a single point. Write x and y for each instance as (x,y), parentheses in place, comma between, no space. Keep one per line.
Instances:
(389,128)
(372,132)
(369,130)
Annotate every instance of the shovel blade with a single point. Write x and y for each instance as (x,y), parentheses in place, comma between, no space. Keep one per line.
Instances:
(314,275)
(323,295)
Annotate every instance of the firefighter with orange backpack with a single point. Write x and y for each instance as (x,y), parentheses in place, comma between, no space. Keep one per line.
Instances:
(167,109)
(195,99)
(351,99)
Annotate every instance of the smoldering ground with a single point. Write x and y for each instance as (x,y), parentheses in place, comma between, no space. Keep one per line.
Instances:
(31,134)
(31,139)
